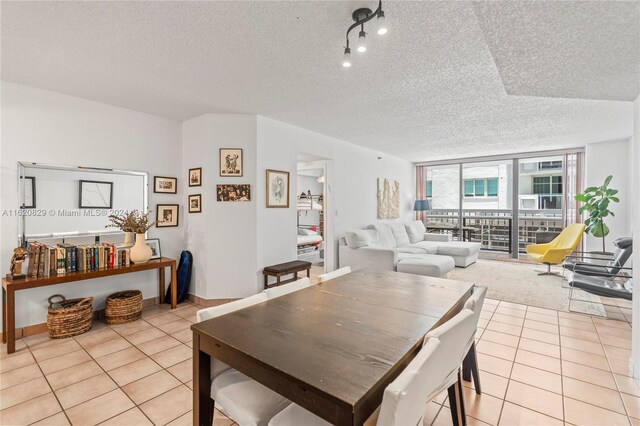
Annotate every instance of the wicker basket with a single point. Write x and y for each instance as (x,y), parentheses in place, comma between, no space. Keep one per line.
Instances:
(70,318)
(123,306)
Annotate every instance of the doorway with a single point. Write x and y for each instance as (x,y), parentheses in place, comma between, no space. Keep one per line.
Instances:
(311,223)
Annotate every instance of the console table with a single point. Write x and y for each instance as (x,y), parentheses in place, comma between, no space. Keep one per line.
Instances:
(9,288)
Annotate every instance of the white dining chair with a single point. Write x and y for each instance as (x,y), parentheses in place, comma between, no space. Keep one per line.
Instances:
(470,362)
(239,397)
(334,274)
(281,290)
(434,369)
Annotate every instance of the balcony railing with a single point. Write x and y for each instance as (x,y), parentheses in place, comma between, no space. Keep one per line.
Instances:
(492,228)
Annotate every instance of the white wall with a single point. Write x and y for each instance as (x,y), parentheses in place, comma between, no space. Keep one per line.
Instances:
(635,219)
(48,127)
(603,159)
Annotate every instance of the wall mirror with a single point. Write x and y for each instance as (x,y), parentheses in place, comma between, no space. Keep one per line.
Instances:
(68,202)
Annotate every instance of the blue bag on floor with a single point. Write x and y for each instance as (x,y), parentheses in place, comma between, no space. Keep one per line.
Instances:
(183,277)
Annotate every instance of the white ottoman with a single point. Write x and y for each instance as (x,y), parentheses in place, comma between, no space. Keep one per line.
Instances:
(428,264)
(463,253)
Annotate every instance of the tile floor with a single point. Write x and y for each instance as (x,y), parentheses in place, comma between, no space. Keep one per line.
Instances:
(538,367)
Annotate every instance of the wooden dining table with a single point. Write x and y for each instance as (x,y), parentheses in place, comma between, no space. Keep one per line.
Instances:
(331,348)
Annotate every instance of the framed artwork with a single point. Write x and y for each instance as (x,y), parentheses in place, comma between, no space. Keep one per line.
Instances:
(154,243)
(388,198)
(29,192)
(230,162)
(167,215)
(165,185)
(240,192)
(195,203)
(195,177)
(277,189)
(95,194)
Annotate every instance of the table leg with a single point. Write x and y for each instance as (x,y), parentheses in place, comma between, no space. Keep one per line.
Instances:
(4,315)
(202,402)
(309,273)
(266,281)
(174,287)
(278,280)
(161,284)
(296,276)
(11,321)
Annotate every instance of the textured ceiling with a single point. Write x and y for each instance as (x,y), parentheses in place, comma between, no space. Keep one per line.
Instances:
(429,89)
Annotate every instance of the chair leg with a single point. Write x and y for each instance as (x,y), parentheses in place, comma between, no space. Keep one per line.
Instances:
(473,364)
(466,367)
(456,403)
(548,271)
(213,410)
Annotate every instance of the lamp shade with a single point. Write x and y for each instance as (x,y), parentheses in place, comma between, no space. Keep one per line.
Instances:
(422,205)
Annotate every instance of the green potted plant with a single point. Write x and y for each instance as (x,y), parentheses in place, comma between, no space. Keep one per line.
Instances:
(597,200)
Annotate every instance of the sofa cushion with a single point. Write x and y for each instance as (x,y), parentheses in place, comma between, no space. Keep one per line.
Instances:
(458,248)
(400,234)
(410,248)
(362,238)
(428,246)
(427,264)
(385,236)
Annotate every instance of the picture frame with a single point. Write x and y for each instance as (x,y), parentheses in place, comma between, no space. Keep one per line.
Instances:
(195,176)
(231,162)
(154,244)
(165,185)
(195,203)
(168,215)
(94,194)
(239,192)
(278,184)
(29,193)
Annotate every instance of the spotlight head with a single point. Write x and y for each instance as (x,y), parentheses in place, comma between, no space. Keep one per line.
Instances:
(381,22)
(346,60)
(361,45)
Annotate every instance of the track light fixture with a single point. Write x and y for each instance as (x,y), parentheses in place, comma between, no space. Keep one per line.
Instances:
(362,16)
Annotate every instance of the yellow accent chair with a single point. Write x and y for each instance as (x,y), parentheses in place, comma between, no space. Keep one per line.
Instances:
(554,252)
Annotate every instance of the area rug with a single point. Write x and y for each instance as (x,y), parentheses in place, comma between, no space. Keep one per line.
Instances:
(518,282)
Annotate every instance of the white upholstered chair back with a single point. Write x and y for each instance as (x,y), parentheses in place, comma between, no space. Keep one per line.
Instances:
(474,304)
(334,274)
(433,370)
(217,366)
(281,290)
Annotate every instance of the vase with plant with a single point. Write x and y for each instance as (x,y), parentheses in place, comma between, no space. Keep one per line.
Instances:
(138,224)
(597,200)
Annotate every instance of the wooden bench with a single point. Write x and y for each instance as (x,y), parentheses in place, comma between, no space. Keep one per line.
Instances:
(286,268)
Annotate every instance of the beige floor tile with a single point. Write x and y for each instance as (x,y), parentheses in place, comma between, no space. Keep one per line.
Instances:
(65,361)
(617,352)
(541,336)
(145,336)
(486,315)
(482,323)
(99,409)
(501,338)
(632,403)
(158,345)
(580,334)
(541,326)
(20,348)
(593,394)
(539,347)
(517,313)
(613,331)
(516,415)
(74,374)
(485,408)
(52,351)
(585,358)
(504,328)
(620,366)
(183,336)
(611,323)
(23,392)
(588,374)
(497,350)
(175,326)
(95,337)
(187,311)
(579,324)
(620,342)
(627,385)
(108,347)
(31,411)
(162,319)
(136,370)
(511,305)
(120,358)
(85,390)
(183,371)
(189,343)
(40,339)
(575,316)
(151,386)
(536,377)
(59,419)
(539,361)
(173,356)
(581,345)
(507,319)
(494,365)
(168,406)
(19,375)
(131,328)
(131,417)
(16,361)
(549,319)
(492,384)
(535,399)
(544,311)
(580,413)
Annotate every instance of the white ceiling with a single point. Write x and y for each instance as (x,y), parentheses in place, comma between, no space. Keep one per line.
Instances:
(430,89)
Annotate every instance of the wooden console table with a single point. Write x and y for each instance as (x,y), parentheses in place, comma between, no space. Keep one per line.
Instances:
(9,288)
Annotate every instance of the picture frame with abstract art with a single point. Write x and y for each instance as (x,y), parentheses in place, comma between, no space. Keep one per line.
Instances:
(195,203)
(241,192)
(388,198)
(95,194)
(154,244)
(231,162)
(278,189)
(167,215)
(195,177)
(165,185)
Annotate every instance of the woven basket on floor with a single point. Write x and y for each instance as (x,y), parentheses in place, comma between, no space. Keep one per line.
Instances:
(123,306)
(69,317)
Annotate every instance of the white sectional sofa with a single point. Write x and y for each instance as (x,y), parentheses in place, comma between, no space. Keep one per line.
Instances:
(405,247)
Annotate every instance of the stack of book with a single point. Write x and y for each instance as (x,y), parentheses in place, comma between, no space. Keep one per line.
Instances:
(46,260)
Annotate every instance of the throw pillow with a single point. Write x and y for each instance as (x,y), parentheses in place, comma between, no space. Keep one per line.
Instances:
(361,238)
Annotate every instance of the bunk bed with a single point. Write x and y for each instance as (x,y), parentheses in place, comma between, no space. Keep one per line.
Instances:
(310,235)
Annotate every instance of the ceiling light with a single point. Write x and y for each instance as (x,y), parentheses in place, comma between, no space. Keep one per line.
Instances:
(362,16)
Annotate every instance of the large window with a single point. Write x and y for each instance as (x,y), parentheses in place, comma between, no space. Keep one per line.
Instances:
(429,189)
(549,191)
(481,187)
